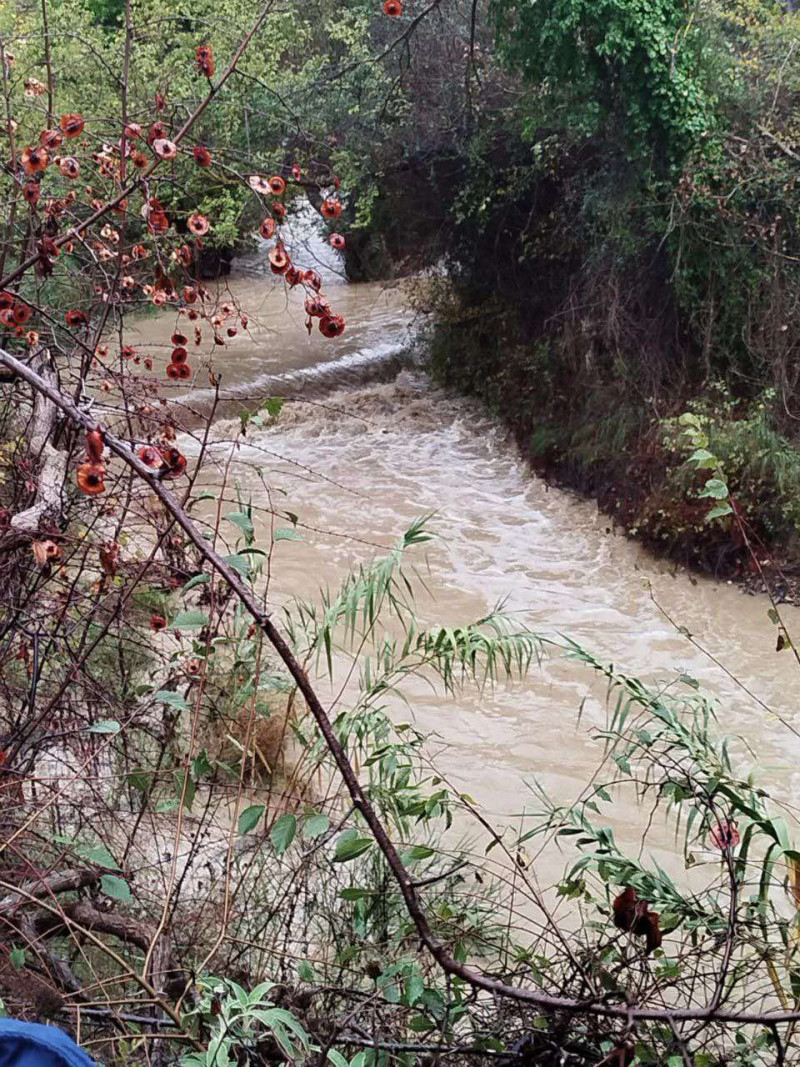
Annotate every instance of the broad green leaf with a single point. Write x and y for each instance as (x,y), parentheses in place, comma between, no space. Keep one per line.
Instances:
(250,818)
(316,825)
(105,726)
(349,845)
(719,512)
(243,521)
(282,833)
(286,533)
(17,958)
(189,620)
(416,853)
(715,488)
(239,562)
(198,579)
(169,696)
(115,887)
(98,854)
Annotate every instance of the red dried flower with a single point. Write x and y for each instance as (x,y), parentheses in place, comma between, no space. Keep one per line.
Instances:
(725,836)
(139,159)
(204,59)
(90,477)
(150,456)
(175,462)
(50,138)
(331,208)
(279,210)
(158,222)
(198,224)
(95,445)
(127,351)
(72,125)
(184,370)
(74,317)
(157,622)
(278,259)
(296,172)
(293,276)
(172,371)
(22,314)
(6,300)
(179,339)
(179,355)
(317,306)
(165,148)
(267,228)
(392,8)
(31,193)
(189,294)
(313,280)
(34,159)
(202,156)
(69,167)
(157,131)
(331,325)
(277,186)
(337,241)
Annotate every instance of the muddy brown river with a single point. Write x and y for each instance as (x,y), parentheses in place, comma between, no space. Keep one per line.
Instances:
(367,445)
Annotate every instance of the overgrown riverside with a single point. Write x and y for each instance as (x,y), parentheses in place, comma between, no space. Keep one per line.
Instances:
(620,231)
(231,829)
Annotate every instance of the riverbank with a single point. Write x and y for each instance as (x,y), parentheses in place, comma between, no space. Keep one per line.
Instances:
(605,440)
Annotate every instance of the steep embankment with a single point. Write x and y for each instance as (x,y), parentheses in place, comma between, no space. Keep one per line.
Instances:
(565,313)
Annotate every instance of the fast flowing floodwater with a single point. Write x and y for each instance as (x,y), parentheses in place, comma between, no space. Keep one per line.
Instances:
(364,448)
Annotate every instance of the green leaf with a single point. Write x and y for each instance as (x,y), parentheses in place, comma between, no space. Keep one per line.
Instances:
(140,780)
(286,533)
(420,1024)
(243,521)
(239,562)
(199,579)
(349,845)
(17,958)
(703,459)
(115,887)
(98,854)
(282,833)
(250,818)
(188,792)
(105,726)
(201,497)
(336,1058)
(719,512)
(305,972)
(716,489)
(274,406)
(189,620)
(416,853)
(173,699)
(354,893)
(316,826)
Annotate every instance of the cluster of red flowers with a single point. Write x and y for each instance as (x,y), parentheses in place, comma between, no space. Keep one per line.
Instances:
(177,368)
(91,473)
(330,325)
(634,916)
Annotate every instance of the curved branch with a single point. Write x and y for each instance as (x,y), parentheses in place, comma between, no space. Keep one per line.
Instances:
(401,875)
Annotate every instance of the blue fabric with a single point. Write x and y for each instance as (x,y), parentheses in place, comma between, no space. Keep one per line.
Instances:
(34,1045)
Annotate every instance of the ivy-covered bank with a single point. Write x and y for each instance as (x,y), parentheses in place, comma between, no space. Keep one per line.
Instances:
(617,209)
